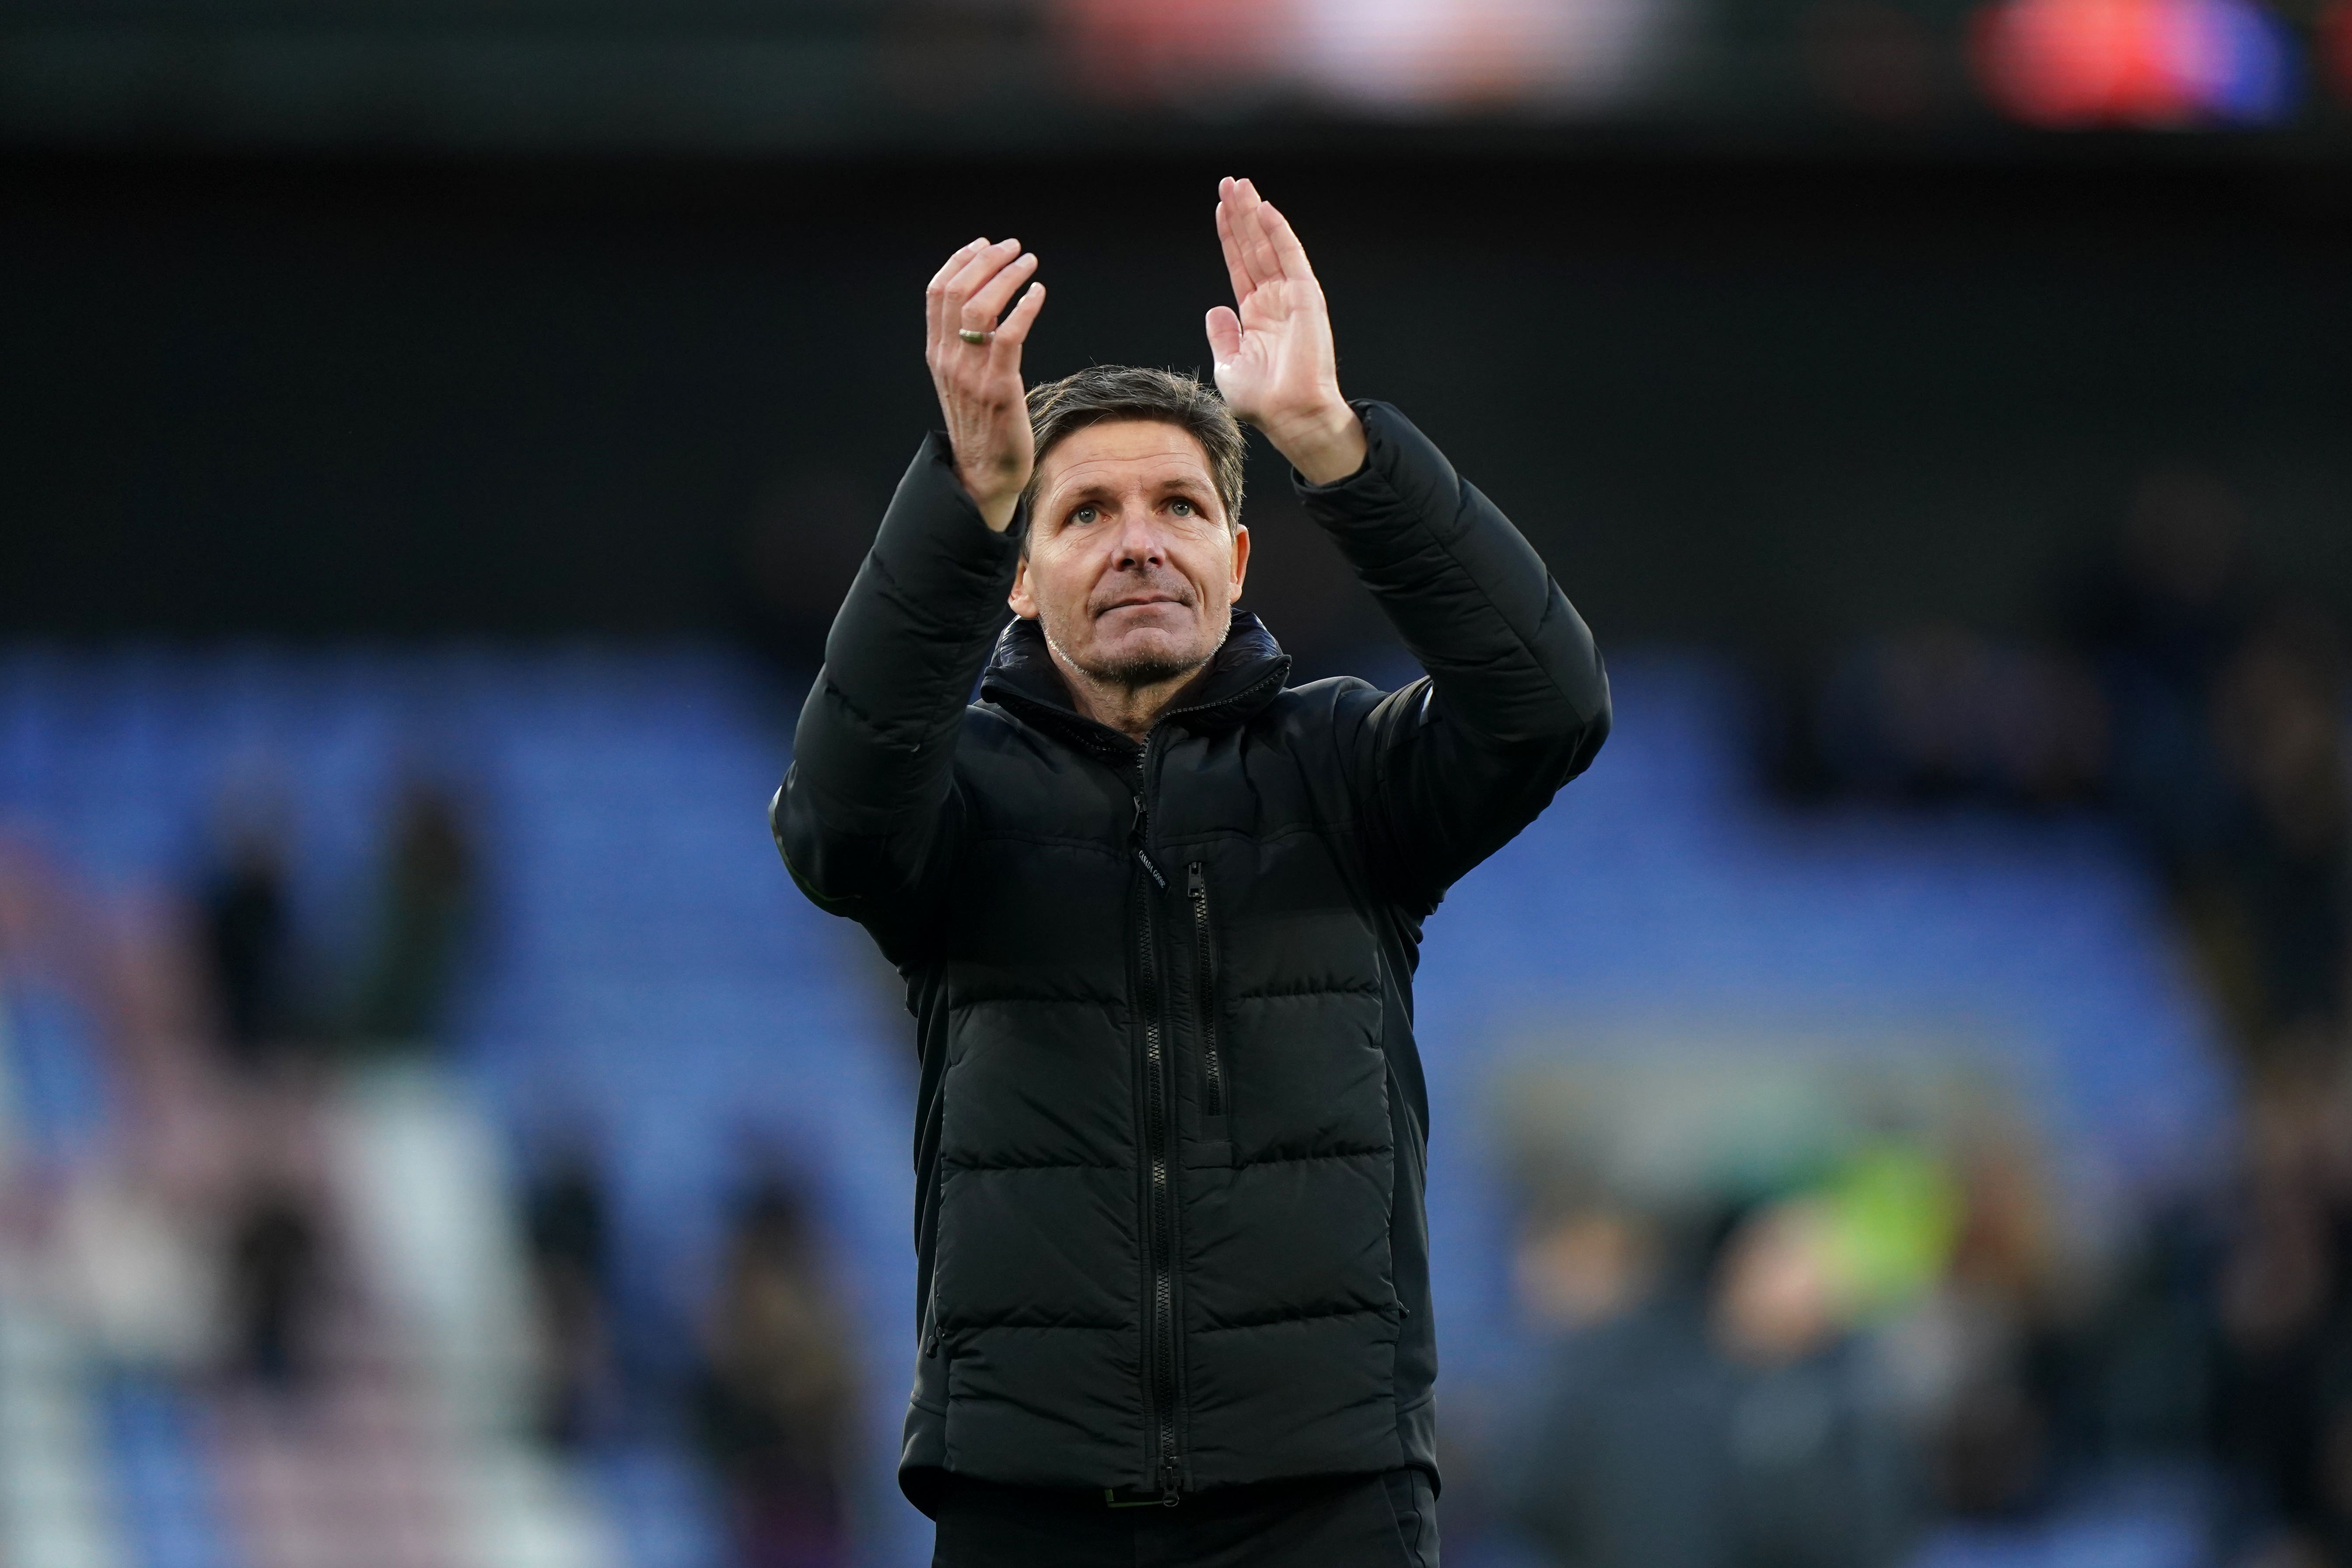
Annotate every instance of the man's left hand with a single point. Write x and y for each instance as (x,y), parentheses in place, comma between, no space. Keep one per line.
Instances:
(1275,362)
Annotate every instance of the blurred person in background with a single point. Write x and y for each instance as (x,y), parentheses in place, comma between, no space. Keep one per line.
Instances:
(1159,918)
(1725,1416)
(776,1402)
(1621,1462)
(1587,1265)
(566,1227)
(2158,619)
(2228,759)
(2282,881)
(1821,1472)
(247,940)
(1988,1359)
(2281,1306)
(426,904)
(275,1283)
(107,1185)
(269,1228)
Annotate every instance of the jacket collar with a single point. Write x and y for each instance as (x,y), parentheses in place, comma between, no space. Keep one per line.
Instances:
(1245,675)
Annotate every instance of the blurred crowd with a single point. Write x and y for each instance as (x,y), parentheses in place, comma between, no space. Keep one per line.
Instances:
(1909,1336)
(771,1401)
(168,1057)
(2202,708)
(1909,1341)
(1905,1344)
(179,1179)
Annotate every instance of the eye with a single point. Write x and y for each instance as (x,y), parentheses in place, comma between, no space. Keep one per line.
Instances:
(1085,514)
(1182,508)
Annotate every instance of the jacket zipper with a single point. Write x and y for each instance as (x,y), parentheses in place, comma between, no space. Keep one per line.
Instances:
(1160,1136)
(1159,1148)
(1205,985)
(1162,1384)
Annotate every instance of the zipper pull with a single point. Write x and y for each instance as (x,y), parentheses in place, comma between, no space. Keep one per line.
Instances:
(1142,824)
(1171,1480)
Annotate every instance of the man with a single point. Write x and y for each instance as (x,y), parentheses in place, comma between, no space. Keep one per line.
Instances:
(1158,915)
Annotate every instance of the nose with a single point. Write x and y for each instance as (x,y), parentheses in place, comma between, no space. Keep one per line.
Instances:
(1140,545)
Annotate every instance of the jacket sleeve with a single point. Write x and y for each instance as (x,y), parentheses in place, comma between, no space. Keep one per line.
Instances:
(868,808)
(1515,701)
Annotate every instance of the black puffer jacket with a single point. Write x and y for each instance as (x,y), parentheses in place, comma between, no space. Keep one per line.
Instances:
(1172,1127)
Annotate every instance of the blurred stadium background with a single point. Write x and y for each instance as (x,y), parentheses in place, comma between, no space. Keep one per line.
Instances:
(1892,1113)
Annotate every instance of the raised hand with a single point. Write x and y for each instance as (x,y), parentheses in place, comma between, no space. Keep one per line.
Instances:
(980,384)
(1272,347)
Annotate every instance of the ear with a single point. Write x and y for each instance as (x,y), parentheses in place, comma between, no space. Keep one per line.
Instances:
(1024,603)
(1240,559)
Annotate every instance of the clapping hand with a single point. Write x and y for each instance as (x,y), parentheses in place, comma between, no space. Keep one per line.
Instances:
(1275,362)
(976,362)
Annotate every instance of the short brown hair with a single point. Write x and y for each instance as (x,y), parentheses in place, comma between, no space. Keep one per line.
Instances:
(1103,392)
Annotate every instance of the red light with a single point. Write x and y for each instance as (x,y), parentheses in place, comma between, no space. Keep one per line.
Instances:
(2077,62)
(2133,62)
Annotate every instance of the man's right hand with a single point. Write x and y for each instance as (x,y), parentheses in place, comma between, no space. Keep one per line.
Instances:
(980,384)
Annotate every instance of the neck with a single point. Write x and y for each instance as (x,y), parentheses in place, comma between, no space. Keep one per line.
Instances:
(1130,709)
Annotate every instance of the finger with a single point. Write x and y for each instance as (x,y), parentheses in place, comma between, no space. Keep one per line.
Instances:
(986,263)
(1235,269)
(1265,261)
(1249,226)
(1242,202)
(980,311)
(963,254)
(1014,329)
(935,290)
(1225,334)
(1284,241)
(972,276)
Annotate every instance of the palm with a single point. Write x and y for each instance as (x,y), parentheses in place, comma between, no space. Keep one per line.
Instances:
(1276,362)
(1273,348)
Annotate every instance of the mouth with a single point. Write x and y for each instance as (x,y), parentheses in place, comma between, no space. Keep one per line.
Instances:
(1139,602)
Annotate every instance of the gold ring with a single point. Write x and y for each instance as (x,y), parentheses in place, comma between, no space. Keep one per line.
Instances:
(980,340)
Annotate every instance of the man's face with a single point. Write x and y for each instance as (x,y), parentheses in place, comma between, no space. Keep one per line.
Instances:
(1130,568)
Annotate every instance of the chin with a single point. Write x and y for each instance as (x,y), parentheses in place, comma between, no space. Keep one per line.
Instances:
(1143,657)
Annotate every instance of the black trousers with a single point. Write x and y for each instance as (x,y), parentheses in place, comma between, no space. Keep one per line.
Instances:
(1387,1520)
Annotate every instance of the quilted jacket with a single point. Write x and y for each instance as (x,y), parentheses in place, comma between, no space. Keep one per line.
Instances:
(1170,1127)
